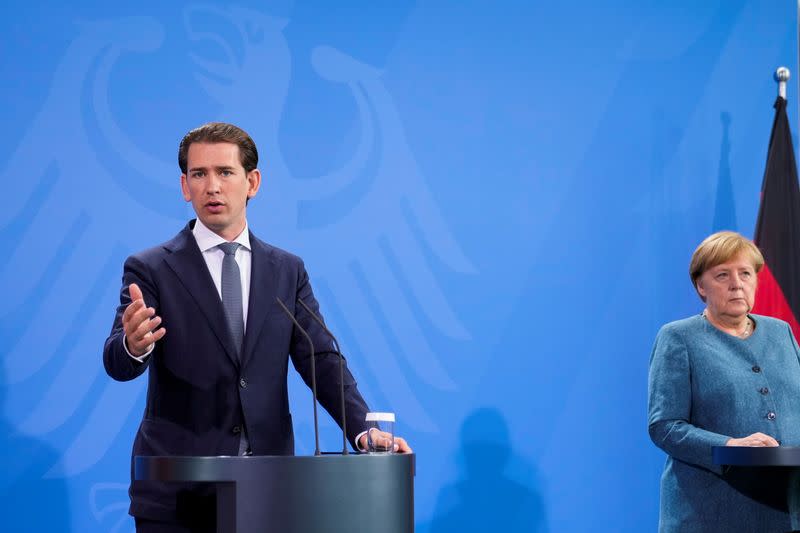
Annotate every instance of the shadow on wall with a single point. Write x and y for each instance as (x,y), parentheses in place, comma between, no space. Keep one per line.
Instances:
(487,498)
(725,204)
(30,500)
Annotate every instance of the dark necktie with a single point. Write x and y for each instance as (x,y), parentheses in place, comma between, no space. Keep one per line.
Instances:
(232,302)
(232,294)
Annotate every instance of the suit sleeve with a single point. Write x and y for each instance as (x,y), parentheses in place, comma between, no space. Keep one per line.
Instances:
(670,405)
(118,363)
(327,364)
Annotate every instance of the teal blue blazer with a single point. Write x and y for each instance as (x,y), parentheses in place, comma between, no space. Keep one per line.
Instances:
(706,387)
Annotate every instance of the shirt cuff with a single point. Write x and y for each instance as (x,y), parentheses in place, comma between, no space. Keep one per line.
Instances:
(358,442)
(140,358)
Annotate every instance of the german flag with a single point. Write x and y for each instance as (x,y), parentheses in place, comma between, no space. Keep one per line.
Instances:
(778,228)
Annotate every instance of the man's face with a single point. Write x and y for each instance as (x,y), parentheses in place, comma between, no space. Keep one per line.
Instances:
(218,187)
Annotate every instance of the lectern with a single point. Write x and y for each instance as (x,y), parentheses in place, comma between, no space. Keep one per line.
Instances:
(328,493)
(770,475)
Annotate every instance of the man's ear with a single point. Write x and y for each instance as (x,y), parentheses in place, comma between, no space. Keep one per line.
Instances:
(185,188)
(254,182)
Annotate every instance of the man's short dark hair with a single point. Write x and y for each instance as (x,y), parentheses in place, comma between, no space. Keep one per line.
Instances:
(220,132)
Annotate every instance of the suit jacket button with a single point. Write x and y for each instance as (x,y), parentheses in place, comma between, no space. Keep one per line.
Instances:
(764,390)
(236,430)
(243,383)
(756,369)
(770,416)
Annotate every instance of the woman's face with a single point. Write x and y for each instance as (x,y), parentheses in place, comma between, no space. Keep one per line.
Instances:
(729,289)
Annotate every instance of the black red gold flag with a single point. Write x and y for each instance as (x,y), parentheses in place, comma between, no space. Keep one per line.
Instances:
(778,228)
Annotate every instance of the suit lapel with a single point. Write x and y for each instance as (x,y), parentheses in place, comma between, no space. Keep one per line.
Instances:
(187,262)
(263,289)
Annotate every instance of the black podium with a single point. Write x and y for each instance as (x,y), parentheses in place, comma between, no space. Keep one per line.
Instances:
(781,456)
(328,493)
(770,475)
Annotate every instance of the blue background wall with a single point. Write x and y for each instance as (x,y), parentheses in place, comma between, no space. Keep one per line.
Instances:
(496,203)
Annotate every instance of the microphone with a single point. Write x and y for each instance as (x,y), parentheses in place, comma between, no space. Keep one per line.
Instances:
(313,371)
(341,370)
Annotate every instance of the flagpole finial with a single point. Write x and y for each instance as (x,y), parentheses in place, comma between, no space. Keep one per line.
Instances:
(782,76)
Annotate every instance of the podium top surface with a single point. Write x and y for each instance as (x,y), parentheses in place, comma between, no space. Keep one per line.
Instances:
(786,456)
(230,468)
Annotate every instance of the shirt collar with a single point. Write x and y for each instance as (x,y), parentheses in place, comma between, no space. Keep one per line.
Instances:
(207,239)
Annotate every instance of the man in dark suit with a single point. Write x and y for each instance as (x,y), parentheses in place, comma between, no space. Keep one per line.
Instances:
(199,312)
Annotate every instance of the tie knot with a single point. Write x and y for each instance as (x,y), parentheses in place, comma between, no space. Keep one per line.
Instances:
(229,247)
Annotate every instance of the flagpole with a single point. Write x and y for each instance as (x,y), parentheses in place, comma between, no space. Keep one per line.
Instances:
(782,76)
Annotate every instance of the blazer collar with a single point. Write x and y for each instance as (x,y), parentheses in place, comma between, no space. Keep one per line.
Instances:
(263,290)
(187,262)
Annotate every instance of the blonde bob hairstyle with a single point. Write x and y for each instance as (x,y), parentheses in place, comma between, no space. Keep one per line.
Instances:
(720,248)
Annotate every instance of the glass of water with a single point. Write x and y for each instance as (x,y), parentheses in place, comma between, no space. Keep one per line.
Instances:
(380,435)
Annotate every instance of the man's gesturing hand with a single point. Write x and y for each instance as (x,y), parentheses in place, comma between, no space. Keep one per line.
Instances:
(139,323)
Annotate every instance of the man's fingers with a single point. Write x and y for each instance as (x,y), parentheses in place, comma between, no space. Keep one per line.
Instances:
(132,308)
(146,327)
(135,292)
(139,317)
(158,334)
(382,438)
(401,446)
(152,336)
(138,346)
(145,335)
(137,302)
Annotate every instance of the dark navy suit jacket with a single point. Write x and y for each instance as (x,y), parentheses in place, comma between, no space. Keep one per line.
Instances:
(200,394)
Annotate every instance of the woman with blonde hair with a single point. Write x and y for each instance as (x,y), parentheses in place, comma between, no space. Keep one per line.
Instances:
(724,377)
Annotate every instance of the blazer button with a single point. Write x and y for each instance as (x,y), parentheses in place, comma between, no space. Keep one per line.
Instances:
(243,383)
(756,369)
(236,430)
(770,416)
(764,390)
